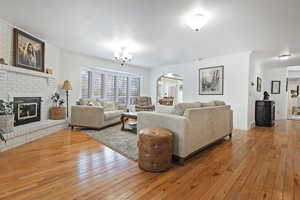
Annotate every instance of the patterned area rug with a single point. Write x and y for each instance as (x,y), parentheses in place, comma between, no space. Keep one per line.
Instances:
(123,142)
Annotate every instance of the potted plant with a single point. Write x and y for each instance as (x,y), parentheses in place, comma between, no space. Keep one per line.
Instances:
(57,112)
(6,117)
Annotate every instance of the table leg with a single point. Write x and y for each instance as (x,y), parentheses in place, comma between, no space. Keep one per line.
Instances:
(123,120)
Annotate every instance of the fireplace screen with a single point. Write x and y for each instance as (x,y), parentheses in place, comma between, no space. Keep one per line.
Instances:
(27,110)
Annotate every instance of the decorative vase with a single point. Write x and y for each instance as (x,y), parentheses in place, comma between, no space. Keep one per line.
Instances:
(7,123)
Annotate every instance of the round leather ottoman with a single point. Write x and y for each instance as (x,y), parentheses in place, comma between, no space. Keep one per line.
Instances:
(155,149)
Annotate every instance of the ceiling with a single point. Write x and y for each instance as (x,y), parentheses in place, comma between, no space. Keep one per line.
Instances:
(156,26)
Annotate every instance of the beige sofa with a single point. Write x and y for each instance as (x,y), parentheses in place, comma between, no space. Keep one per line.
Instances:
(195,125)
(94,113)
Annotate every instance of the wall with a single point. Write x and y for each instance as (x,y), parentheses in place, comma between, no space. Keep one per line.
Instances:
(15,83)
(52,53)
(73,62)
(278,73)
(66,65)
(236,79)
(254,72)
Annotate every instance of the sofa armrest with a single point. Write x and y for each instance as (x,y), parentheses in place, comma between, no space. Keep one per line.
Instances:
(177,124)
(87,116)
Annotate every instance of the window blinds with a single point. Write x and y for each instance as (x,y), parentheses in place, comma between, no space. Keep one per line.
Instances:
(110,86)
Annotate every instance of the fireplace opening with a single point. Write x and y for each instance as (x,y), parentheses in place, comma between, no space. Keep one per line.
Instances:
(27,110)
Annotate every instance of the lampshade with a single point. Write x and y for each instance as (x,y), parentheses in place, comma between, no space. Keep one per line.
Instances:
(67,85)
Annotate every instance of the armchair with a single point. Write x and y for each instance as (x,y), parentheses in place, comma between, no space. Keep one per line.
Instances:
(143,104)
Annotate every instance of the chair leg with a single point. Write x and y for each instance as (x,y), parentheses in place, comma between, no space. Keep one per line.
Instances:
(230,135)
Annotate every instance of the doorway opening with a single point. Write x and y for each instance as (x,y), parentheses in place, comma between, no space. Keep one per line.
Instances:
(293,84)
(169,89)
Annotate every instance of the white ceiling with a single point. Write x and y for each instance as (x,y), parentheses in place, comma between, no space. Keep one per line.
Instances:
(89,26)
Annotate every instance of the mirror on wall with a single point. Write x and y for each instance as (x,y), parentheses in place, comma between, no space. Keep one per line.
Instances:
(169,89)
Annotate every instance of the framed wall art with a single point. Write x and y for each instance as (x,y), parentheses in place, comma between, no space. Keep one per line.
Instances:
(211,81)
(258,84)
(275,87)
(29,52)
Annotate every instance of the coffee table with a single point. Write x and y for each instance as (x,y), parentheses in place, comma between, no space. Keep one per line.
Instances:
(131,126)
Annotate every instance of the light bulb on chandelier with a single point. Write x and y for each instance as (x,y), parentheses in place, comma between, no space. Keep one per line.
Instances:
(122,56)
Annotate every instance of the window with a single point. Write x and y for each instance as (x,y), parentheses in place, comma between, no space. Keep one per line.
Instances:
(113,86)
(84,77)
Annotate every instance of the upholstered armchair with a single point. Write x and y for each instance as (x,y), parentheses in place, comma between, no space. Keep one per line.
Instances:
(143,104)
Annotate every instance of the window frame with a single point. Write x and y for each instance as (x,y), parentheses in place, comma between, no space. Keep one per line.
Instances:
(91,83)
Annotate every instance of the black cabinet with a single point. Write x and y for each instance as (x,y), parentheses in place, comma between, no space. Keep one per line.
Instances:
(265,113)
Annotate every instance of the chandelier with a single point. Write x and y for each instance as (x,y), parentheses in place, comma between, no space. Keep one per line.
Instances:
(122,56)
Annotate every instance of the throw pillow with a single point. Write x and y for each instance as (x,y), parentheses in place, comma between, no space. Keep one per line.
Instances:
(90,103)
(181,107)
(208,104)
(84,101)
(219,103)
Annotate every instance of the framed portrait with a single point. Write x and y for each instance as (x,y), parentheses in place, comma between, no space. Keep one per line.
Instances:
(258,84)
(275,87)
(211,81)
(29,52)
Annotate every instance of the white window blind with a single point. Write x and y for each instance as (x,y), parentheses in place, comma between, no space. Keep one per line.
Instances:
(134,87)
(109,85)
(84,80)
(97,85)
(122,90)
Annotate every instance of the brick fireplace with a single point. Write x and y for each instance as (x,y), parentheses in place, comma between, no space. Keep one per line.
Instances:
(32,91)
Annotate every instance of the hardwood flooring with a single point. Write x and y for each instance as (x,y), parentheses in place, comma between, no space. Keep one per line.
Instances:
(263,163)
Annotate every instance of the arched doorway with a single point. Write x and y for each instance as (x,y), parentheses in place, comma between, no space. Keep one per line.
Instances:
(169,89)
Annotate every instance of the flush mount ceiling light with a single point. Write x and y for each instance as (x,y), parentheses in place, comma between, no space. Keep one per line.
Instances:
(196,20)
(284,56)
(122,56)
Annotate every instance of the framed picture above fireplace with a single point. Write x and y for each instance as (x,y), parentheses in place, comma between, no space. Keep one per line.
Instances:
(29,52)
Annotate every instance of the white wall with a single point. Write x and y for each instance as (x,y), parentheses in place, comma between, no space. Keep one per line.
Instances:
(278,73)
(255,71)
(66,65)
(52,53)
(73,62)
(236,79)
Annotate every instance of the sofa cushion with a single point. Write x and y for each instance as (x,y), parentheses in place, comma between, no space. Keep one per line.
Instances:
(219,103)
(181,107)
(109,106)
(112,114)
(208,104)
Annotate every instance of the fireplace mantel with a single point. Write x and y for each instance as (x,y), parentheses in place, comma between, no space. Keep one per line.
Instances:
(9,68)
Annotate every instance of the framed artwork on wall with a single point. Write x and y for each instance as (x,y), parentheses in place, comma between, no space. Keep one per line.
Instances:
(275,87)
(258,84)
(29,52)
(211,81)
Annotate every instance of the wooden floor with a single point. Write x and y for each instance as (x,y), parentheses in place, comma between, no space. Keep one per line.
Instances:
(263,163)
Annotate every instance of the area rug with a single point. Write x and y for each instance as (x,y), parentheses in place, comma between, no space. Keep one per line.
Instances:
(123,142)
